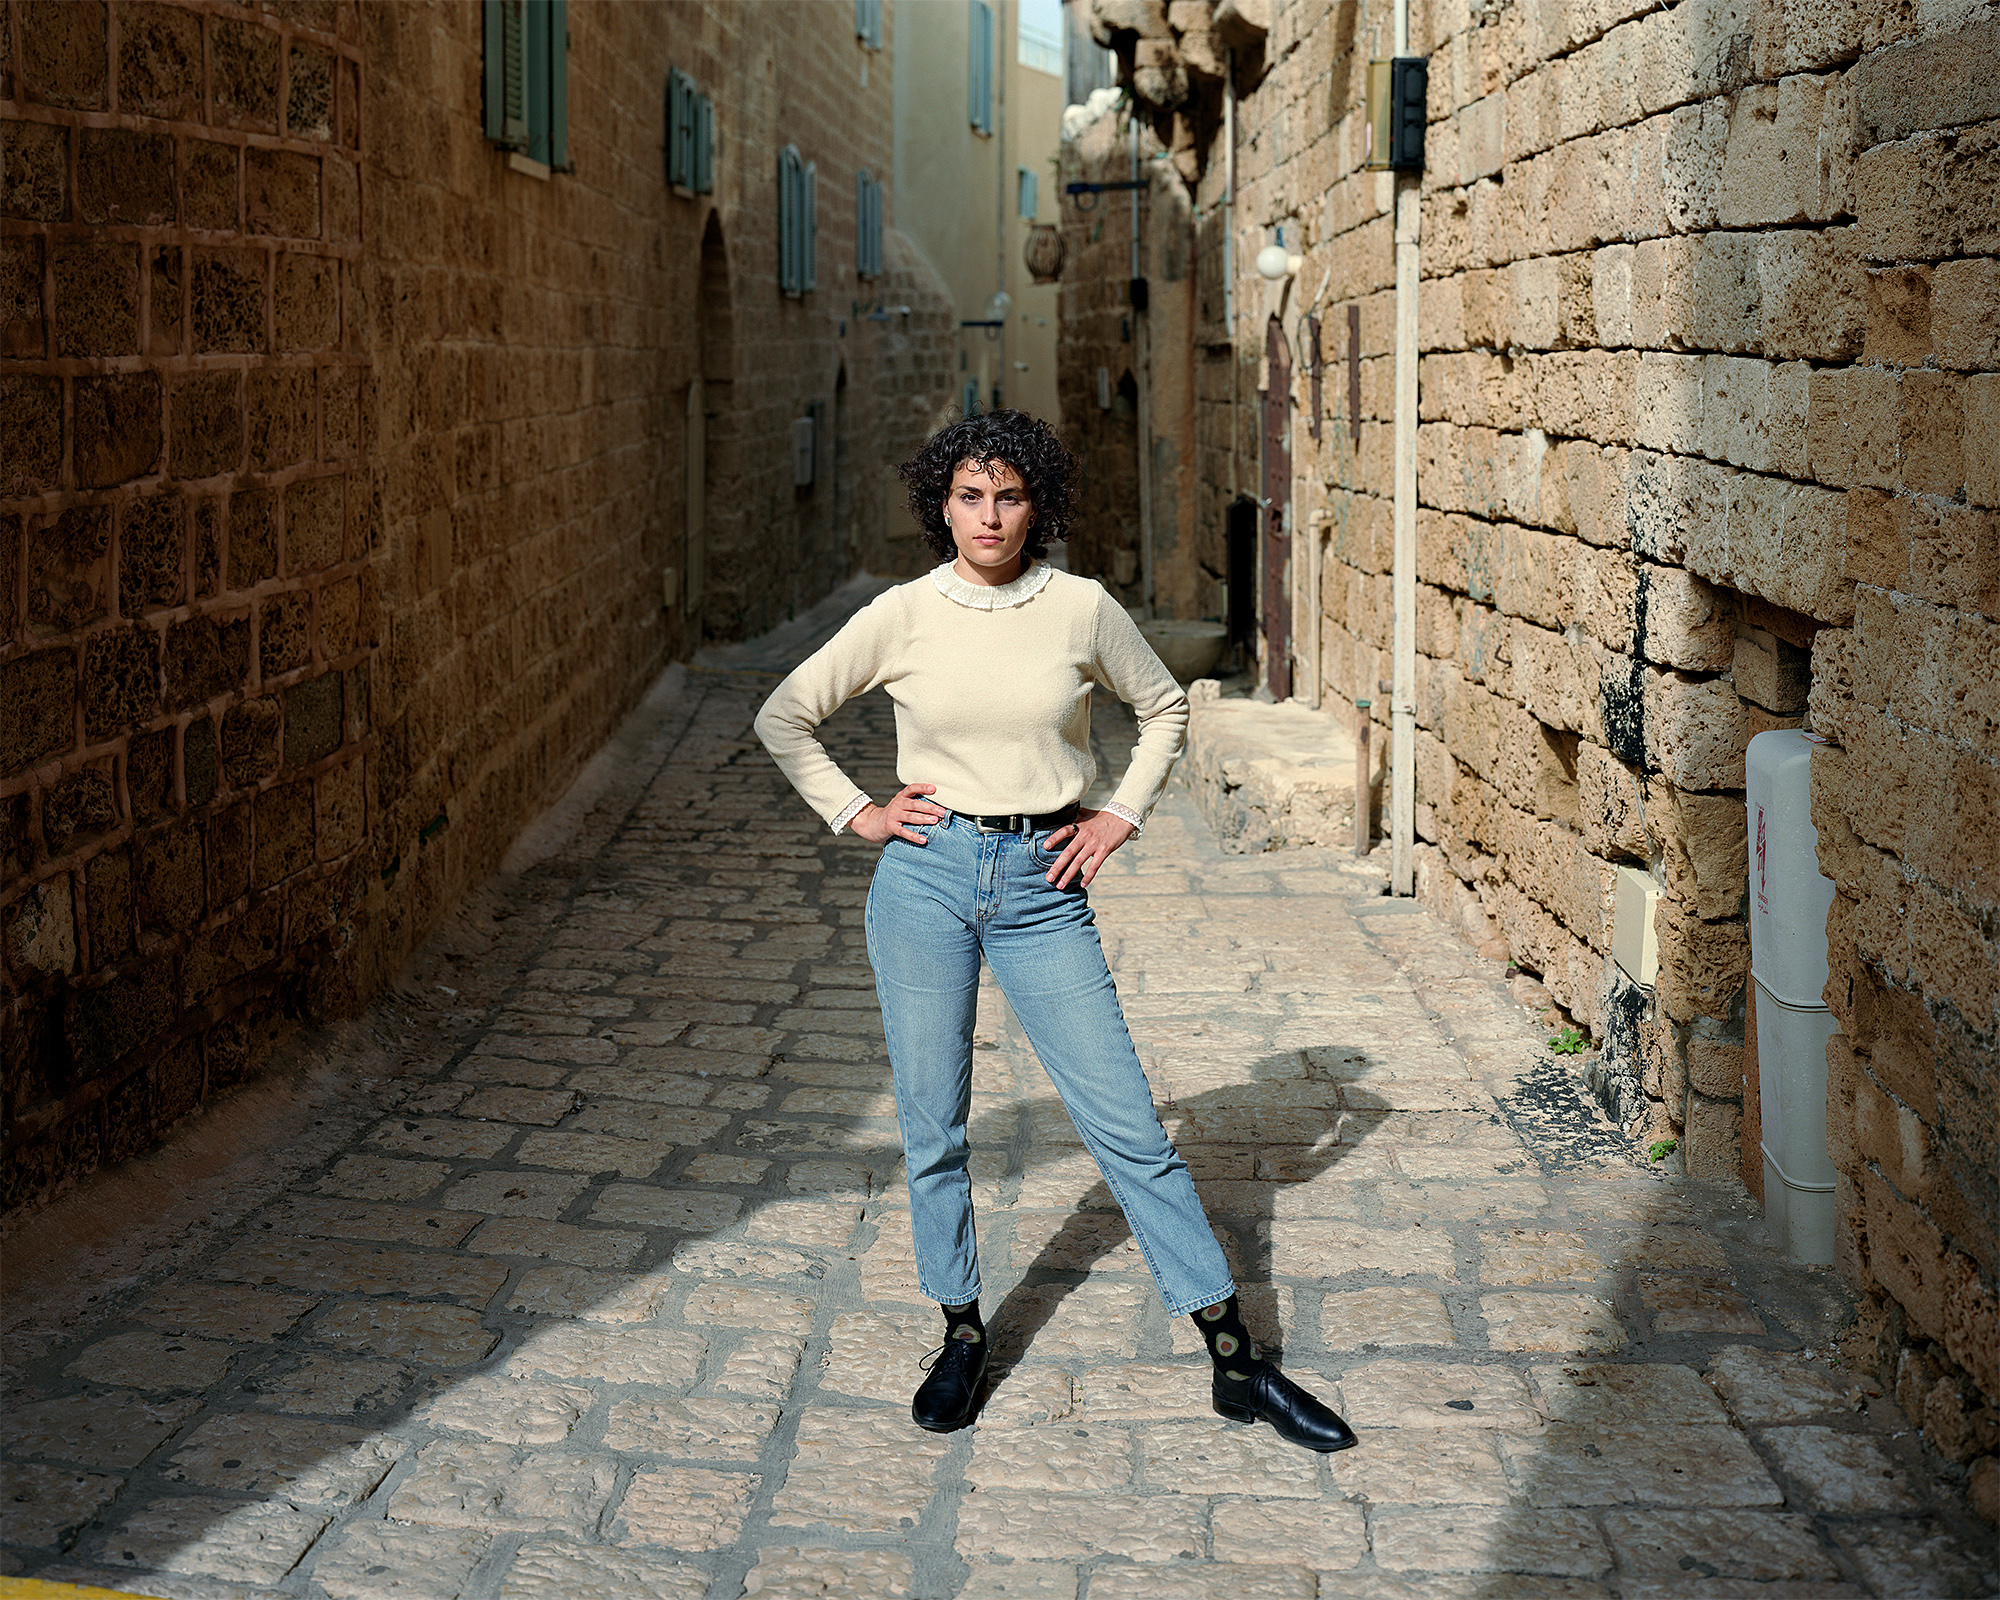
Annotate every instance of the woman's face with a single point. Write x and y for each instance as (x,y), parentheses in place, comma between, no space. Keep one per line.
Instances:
(988,512)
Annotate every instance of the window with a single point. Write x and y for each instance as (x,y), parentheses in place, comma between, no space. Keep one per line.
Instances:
(1038,36)
(868,23)
(979,67)
(527,78)
(867,225)
(1027,194)
(968,400)
(798,223)
(690,136)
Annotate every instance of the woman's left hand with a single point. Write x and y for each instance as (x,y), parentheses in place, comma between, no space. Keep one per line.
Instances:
(1087,844)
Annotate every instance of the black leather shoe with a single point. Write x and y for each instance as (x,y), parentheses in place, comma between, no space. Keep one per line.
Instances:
(946,1400)
(1294,1415)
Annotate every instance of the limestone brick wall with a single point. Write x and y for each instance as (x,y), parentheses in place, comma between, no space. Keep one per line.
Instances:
(1710,332)
(188,595)
(345,466)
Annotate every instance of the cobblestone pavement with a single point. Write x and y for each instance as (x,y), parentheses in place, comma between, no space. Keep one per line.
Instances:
(611,1292)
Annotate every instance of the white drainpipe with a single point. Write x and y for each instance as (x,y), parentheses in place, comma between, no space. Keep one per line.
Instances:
(1789,901)
(1403,711)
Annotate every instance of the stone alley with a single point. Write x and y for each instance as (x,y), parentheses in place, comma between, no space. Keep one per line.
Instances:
(602,1285)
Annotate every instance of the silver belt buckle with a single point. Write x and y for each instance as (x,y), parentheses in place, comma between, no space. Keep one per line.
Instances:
(981,825)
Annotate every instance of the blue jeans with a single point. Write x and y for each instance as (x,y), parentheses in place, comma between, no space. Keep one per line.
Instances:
(933,910)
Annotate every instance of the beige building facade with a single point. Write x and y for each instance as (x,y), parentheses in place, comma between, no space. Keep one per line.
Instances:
(1703,317)
(362,469)
(979,100)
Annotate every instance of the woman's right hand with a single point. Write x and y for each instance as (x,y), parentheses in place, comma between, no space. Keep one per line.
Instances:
(880,824)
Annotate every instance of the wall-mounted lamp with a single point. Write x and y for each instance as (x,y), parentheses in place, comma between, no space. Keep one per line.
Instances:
(1274,261)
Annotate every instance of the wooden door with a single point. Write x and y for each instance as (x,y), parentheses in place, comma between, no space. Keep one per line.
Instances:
(1276,495)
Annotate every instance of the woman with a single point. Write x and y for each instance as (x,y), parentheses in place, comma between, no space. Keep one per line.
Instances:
(990,660)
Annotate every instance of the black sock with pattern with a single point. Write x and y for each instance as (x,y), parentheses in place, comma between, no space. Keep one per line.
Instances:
(1229,1343)
(964,1323)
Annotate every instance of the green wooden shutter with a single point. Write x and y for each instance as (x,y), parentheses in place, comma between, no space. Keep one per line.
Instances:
(558,59)
(809,276)
(703,174)
(506,62)
(680,130)
(790,223)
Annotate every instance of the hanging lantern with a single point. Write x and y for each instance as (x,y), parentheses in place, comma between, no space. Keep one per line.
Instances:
(1044,252)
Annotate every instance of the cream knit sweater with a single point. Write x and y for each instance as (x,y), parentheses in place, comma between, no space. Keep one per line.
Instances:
(992,693)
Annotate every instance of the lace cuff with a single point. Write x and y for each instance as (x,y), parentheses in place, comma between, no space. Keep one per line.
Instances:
(849,812)
(1125,814)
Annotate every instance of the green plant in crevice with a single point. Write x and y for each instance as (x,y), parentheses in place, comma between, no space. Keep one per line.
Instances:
(1568,1043)
(1660,1149)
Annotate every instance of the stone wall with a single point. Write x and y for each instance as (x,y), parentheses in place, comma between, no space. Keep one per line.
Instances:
(189,604)
(1710,332)
(345,485)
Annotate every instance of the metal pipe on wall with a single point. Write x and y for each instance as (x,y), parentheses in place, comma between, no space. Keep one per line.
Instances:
(1229,257)
(1403,708)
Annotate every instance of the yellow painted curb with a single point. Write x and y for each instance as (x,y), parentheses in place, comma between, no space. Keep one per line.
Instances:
(35,1589)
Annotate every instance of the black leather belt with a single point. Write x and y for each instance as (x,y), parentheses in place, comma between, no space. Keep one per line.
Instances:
(1021,822)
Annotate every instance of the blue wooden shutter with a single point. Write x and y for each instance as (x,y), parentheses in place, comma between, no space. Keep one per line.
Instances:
(506,65)
(558,68)
(979,67)
(1028,195)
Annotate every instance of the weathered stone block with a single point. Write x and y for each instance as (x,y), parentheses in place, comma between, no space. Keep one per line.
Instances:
(1899,316)
(1931,425)
(159,62)
(116,428)
(250,740)
(121,680)
(1680,621)
(281,193)
(284,641)
(245,67)
(124,176)
(1775,674)
(1695,730)
(37,707)
(280,415)
(1925,84)
(1963,321)
(205,412)
(37,158)
(1929,197)
(209,185)
(253,537)
(63,54)
(96,298)
(152,544)
(1703,965)
(1852,425)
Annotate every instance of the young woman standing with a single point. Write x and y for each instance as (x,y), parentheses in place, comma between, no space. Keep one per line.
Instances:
(990,660)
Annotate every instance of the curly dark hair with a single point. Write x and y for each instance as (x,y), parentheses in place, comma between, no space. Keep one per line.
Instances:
(1027,444)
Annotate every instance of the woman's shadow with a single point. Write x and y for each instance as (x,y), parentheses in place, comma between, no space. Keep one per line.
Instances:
(1241,1154)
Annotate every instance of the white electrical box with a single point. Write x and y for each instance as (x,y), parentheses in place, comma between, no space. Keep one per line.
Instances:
(1634,946)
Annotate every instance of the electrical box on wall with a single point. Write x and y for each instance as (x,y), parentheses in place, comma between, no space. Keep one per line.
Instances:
(1397,91)
(1633,944)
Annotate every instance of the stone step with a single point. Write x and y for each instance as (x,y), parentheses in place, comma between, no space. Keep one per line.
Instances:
(1266,777)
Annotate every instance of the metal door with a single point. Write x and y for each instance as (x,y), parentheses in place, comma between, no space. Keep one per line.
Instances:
(1277,492)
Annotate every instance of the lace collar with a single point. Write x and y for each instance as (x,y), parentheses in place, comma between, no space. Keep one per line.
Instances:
(979,598)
